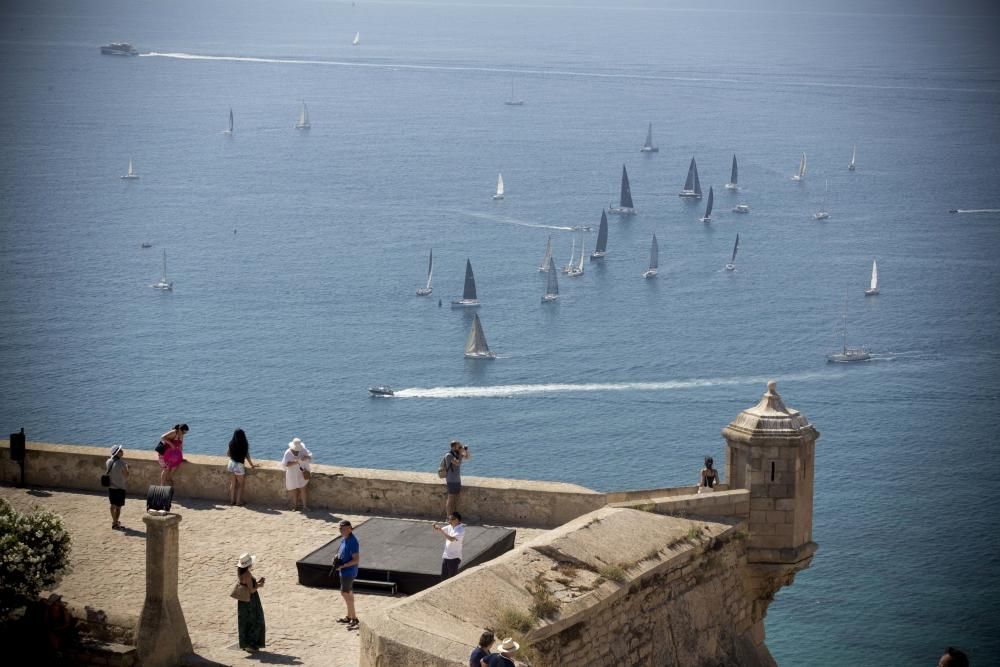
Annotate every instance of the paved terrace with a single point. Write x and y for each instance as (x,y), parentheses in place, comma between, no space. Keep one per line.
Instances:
(108,572)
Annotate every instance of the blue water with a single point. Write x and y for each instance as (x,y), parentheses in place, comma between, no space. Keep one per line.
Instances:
(281,326)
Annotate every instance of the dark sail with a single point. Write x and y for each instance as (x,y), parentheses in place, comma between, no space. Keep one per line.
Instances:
(692,175)
(735,174)
(711,200)
(602,234)
(697,183)
(470,283)
(626,198)
(736,246)
(654,254)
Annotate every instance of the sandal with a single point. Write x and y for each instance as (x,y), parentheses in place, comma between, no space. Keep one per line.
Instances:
(346,619)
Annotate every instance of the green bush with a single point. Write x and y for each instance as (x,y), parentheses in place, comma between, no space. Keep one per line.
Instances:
(34,554)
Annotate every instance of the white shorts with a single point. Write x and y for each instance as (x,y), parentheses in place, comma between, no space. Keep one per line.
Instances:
(236,468)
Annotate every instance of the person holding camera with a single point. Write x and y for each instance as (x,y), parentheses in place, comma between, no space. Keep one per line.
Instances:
(346,563)
(451,465)
(453,533)
(117,474)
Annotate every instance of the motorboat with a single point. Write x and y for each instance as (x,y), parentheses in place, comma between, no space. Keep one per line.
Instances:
(119,49)
(741,208)
(146,244)
(381,390)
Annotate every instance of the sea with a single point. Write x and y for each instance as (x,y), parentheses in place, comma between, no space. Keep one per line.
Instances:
(295,256)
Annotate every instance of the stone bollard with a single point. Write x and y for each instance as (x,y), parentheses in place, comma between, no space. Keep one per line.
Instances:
(162,636)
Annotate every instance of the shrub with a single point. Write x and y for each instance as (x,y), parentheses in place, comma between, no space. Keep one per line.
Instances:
(513,623)
(612,573)
(34,554)
(543,604)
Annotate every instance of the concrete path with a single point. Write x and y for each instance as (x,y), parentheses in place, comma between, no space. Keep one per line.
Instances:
(109,573)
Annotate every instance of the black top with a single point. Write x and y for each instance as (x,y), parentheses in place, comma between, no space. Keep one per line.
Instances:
(238,452)
(710,475)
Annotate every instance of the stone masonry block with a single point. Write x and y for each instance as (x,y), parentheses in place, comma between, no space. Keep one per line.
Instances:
(764,504)
(777,517)
(787,504)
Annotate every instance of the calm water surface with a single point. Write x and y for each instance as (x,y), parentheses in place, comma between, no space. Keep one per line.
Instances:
(295,256)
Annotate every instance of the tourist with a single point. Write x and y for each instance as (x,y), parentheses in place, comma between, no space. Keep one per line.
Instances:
(453,533)
(296,462)
(451,465)
(482,652)
(953,657)
(171,453)
(346,563)
(504,658)
(118,473)
(250,615)
(709,477)
(239,455)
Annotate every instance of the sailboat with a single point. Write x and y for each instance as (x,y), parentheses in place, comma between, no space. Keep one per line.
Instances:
(424,291)
(303,123)
(230,129)
(708,207)
(499,194)
(577,270)
(625,205)
(848,354)
(734,175)
(802,169)
(732,260)
(873,288)
(572,258)
(551,282)
(822,213)
(654,259)
(854,156)
(468,299)
(692,186)
(163,283)
(357,39)
(513,101)
(475,345)
(131,175)
(547,264)
(602,238)
(648,147)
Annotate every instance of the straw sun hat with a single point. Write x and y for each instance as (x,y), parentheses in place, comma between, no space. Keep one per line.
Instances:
(246,560)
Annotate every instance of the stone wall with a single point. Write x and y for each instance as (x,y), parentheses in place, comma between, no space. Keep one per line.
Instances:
(735,503)
(614,587)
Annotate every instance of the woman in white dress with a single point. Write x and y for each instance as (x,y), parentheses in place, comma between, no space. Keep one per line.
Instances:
(296,462)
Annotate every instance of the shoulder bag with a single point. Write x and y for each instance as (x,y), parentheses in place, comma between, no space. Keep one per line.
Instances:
(241,592)
(106,477)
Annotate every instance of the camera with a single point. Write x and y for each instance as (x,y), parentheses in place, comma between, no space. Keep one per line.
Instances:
(337,562)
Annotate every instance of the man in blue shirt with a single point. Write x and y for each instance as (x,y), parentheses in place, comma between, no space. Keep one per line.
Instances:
(346,564)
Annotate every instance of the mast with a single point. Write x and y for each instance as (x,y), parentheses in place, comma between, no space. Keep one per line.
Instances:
(649,136)
(572,254)
(430,268)
(130,172)
(164,279)
(735,172)
(802,166)
(626,194)
(231,120)
(579,267)
(602,234)
(469,294)
(654,254)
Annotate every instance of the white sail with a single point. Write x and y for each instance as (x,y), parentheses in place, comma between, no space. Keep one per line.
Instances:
(303,123)
(547,259)
(854,156)
(577,269)
(131,172)
(424,291)
(500,185)
(874,284)
(229,130)
(357,39)
(163,283)
(802,167)
(572,258)
(475,345)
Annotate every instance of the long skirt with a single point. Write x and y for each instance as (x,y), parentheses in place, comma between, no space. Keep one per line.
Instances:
(250,619)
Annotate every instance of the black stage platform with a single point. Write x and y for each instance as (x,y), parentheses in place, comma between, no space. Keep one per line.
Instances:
(404,552)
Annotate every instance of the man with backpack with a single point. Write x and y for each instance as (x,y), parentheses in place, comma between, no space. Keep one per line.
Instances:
(116,474)
(450,471)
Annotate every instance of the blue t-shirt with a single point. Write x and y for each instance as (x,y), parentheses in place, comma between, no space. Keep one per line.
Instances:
(478,654)
(348,549)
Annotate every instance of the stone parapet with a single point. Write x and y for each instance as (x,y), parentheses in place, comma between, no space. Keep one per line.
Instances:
(719,504)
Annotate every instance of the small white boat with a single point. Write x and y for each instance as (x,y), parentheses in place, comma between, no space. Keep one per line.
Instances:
(381,390)
(229,130)
(130,175)
(741,208)
(602,239)
(357,39)
(734,175)
(848,354)
(648,146)
(854,157)
(499,193)
(708,207)
(654,259)
(873,287)
(692,186)
(513,101)
(425,291)
(802,169)
(303,122)
(551,282)
(822,213)
(475,345)
(625,205)
(546,264)
(731,266)
(572,258)
(163,284)
(469,298)
(577,270)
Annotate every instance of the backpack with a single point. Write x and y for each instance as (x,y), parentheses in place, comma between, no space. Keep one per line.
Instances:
(443,468)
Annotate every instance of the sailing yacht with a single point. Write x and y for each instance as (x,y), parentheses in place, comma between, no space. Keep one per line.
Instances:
(551,282)
(545,265)
(873,288)
(230,129)
(572,258)
(468,299)
(303,123)
(577,270)
(424,291)
(499,194)
(475,345)
(648,147)
(822,213)
(802,169)
(513,101)
(625,205)
(602,239)
(357,39)
(732,261)
(163,283)
(848,354)
(654,259)
(708,207)
(733,176)
(854,156)
(131,175)
(692,186)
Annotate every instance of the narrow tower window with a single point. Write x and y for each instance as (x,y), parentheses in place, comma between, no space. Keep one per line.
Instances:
(772,471)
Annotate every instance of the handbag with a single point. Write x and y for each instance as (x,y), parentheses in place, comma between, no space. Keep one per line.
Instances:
(306,474)
(160,448)
(241,592)
(106,477)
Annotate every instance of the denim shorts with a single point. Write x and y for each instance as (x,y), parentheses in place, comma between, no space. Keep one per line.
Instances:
(454,488)
(346,584)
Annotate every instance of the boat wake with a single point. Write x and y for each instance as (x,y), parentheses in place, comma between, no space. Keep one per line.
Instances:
(977,210)
(510,221)
(513,390)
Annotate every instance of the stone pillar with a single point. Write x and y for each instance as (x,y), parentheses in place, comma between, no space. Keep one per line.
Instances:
(162,636)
